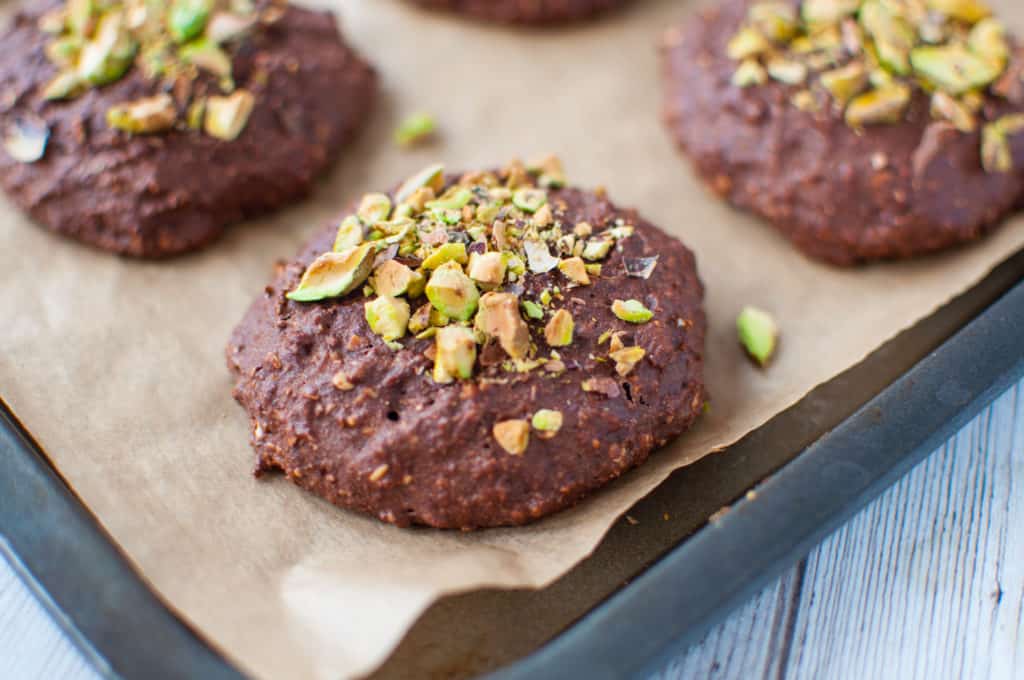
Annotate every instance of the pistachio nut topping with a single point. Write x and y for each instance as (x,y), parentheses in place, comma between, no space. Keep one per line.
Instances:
(473,247)
(512,435)
(416,129)
(632,311)
(626,359)
(758,333)
(870,57)
(547,422)
(93,43)
(996,153)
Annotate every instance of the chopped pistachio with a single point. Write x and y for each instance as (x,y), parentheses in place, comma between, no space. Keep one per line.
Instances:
(945,107)
(988,39)
(827,12)
(539,256)
(749,73)
(758,333)
(969,11)
(455,199)
(196,114)
(449,252)
(498,317)
(438,318)
(846,82)
(54,21)
(350,234)
(543,217)
(374,208)
(626,359)
(420,320)
(388,317)
(583,229)
(533,310)
(208,56)
(559,330)
(224,27)
(593,269)
(415,129)
(547,421)
(186,19)
(787,71)
(487,269)
(453,293)
(549,171)
(575,270)
(953,68)
(109,54)
(632,311)
(513,436)
(63,52)
(996,153)
(747,42)
(431,177)
(143,116)
(893,35)
(455,354)
(881,105)
(529,200)
(64,85)
(775,20)
(392,278)
(226,117)
(26,138)
(80,16)
(597,249)
(335,274)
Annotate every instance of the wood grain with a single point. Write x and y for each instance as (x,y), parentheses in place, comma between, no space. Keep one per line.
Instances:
(926,583)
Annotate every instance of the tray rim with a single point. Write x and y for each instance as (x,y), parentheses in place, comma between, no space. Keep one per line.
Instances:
(586,645)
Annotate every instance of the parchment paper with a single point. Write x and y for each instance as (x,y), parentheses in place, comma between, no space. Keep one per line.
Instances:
(117,366)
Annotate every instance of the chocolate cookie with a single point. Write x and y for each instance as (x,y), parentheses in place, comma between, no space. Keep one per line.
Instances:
(146,133)
(473,352)
(523,11)
(862,129)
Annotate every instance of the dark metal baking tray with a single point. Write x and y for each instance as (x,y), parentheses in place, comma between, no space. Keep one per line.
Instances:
(655,584)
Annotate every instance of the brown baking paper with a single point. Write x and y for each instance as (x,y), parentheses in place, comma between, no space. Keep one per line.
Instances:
(118,366)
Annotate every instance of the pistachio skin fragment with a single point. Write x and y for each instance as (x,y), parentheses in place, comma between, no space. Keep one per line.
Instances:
(513,436)
(415,129)
(388,317)
(455,349)
(758,333)
(632,311)
(335,274)
(547,421)
(453,293)
(559,330)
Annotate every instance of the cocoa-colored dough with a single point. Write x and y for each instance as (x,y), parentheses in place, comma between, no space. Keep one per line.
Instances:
(523,11)
(840,195)
(444,468)
(163,194)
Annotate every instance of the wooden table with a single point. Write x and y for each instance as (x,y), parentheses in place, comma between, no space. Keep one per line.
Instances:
(927,582)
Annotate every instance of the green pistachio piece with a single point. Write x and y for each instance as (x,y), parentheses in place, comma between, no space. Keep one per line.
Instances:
(597,249)
(996,154)
(632,311)
(969,11)
(487,269)
(186,19)
(25,140)
(558,332)
(80,16)
(758,333)
(109,55)
(456,199)
(776,21)
(374,208)
(545,297)
(420,320)
(626,359)
(533,310)
(817,13)
(392,278)
(227,117)
(953,68)
(388,317)
(549,171)
(63,86)
(539,257)
(144,116)
(575,270)
(513,436)
(417,128)
(223,27)
(988,39)
(498,317)
(749,73)
(437,318)
(893,35)
(455,354)
(448,252)
(431,177)
(846,82)
(945,107)
(529,200)
(63,52)
(881,105)
(350,234)
(787,71)
(208,56)
(547,421)
(453,293)
(747,43)
(335,274)
(196,113)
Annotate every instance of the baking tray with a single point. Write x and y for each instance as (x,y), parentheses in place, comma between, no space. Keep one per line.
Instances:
(704,541)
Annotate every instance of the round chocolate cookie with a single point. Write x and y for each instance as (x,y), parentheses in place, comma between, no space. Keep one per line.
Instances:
(523,11)
(473,352)
(862,129)
(147,133)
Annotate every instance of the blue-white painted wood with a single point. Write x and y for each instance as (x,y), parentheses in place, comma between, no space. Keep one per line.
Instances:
(926,583)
